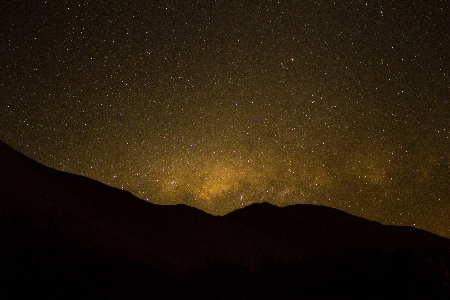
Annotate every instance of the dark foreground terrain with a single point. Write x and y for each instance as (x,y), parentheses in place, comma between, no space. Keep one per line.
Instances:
(65,236)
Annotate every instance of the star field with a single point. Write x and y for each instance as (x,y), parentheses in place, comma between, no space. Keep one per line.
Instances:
(222,104)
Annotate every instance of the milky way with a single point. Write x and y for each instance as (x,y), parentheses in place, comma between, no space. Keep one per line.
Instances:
(220,105)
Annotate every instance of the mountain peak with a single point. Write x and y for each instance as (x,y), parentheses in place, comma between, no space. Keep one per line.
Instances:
(64,234)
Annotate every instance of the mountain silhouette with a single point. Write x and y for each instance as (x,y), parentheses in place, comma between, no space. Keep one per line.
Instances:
(67,236)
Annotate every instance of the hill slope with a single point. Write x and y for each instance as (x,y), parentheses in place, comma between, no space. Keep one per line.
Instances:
(64,235)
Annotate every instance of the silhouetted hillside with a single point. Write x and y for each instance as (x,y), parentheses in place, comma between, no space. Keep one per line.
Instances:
(67,236)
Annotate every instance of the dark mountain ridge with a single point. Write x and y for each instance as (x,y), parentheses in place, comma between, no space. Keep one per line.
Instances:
(308,227)
(65,235)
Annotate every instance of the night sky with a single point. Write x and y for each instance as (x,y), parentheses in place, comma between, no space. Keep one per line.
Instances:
(220,104)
